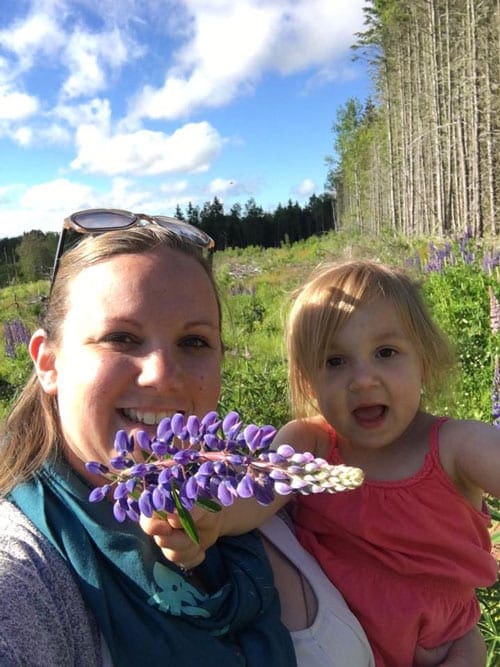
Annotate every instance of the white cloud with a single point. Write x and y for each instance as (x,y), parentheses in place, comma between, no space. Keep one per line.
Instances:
(60,68)
(23,136)
(232,44)
(42,206)
(15,105)
(31,38)
(56,195)
(320,31)
(175,187)
(221,186)
(54,134)
(306,188)
(134,195)
(10,193)
(191,148)
(88,57)
(95,112)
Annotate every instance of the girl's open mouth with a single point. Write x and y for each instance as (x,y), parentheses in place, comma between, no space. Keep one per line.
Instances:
(370,415)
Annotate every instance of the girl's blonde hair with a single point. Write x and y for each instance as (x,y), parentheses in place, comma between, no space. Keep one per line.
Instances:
(327,300)
(30,433)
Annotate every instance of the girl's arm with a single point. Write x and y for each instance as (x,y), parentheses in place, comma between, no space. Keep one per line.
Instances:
(467,651)
(470,454)
(242,516)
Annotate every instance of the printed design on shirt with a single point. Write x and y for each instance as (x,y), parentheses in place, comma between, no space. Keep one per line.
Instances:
(176,596)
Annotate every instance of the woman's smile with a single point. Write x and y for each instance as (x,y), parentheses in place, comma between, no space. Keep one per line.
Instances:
(147,345)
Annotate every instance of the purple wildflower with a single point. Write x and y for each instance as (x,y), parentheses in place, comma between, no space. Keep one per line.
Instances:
(209,461)
(16,333)
(494,312)
(495,398)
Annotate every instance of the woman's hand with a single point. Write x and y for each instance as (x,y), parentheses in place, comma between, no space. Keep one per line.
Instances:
(174,542)
(240,517)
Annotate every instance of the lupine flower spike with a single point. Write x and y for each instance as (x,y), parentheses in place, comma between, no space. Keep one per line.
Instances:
(16,333)
(209,462)
(495,329)
(494,312)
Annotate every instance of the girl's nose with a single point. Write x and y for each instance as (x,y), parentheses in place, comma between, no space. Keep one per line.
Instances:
(159,369)
(363,377)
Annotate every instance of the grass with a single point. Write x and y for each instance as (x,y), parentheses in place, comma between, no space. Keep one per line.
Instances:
(255,288)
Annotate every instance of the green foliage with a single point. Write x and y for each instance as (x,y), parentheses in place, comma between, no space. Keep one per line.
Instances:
(460,303)
(258,387)
(255,284)
(35,255)
(9,271)
(21,302)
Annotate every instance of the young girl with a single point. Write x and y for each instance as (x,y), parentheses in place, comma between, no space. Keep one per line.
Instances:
(408,548)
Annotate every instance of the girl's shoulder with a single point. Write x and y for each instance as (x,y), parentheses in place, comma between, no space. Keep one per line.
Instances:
(310,434)
(469,451)
(459,436)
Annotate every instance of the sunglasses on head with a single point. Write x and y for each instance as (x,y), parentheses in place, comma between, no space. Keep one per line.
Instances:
(99,220)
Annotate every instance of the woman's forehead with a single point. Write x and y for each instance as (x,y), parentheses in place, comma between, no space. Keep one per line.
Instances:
(160,274)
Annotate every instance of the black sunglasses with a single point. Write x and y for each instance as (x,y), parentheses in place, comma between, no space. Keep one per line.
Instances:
(99,220)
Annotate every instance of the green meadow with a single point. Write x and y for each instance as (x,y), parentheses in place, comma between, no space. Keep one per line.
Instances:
(458,279)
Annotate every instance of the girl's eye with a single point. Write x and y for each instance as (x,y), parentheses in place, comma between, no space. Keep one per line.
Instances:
(386,352)
(334,361)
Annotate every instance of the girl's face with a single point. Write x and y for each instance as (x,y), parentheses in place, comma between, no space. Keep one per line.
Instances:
(369,388)
(140,341)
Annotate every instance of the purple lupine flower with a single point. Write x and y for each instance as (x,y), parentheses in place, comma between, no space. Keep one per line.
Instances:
(97,468)
(229,461)
(495,398)
(122,443)
(99,493)
(494,312)
(120,510)
(16,333)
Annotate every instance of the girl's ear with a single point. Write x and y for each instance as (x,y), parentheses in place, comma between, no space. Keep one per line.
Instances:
(44,361)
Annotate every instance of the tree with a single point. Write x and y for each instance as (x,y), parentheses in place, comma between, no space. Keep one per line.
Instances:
(422,159)
(35,255)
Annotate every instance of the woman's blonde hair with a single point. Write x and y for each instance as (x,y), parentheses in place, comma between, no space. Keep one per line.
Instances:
(328,299)
(30,433)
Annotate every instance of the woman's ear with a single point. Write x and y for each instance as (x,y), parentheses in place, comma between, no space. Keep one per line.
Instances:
(44,361)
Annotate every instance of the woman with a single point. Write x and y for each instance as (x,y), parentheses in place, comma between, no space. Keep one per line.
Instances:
(132,333)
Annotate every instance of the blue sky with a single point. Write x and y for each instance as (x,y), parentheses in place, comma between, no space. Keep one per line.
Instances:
(146,104)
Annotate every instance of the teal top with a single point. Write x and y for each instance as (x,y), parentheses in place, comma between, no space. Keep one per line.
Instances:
(145,607)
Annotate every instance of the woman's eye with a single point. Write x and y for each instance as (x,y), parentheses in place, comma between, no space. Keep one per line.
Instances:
(120,338)
(195,341)
(386,352)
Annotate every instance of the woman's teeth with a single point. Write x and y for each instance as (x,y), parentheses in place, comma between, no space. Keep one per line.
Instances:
(148,418)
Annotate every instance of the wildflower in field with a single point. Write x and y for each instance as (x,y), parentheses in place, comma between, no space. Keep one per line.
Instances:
(495,399)
(209,462)
(494,312)
(16,333)
(491,261)
(463,243)
(495,329)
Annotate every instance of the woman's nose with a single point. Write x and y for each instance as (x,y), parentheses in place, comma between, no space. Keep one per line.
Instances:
(159,368)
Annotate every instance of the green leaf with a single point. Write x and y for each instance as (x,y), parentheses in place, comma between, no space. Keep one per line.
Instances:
(185,517)
(209,505)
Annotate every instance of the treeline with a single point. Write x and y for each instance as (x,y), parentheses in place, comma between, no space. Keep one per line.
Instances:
(422,156)
(29,257)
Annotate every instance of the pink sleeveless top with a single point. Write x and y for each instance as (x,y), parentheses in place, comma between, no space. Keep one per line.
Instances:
(406,555)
